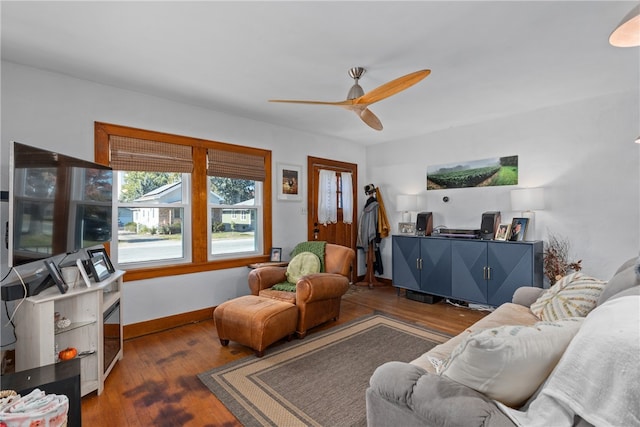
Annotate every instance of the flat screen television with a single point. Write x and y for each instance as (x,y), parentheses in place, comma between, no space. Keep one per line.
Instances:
(58,204)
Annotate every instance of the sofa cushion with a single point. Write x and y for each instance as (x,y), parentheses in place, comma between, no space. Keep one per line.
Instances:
(302,264)
(597,378)
(574,295)
(506,314)
(508,363)
(401,394)
(621,281)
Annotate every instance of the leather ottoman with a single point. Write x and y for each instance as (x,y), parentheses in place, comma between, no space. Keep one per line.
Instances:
(255,321)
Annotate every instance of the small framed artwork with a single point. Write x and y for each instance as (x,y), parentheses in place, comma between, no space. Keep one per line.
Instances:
(504,232)
(103,252)
(406,228)
(98,267)
(85,271)
(276,255)
(289,182)
(56,276)
(518,228)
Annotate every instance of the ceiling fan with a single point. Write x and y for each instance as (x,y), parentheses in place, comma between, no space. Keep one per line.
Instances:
(358,101)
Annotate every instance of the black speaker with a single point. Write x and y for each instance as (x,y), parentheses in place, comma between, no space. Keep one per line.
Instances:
(489,225)
(424,224)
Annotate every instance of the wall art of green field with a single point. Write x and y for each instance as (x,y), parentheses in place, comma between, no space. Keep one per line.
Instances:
(478,177)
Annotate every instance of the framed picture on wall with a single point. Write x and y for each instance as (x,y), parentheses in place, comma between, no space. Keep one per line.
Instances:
(289,182)
(518,228)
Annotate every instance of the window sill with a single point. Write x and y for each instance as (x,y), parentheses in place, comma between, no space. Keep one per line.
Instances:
(175,270)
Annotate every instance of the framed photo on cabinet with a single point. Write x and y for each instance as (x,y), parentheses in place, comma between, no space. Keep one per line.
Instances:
(55,274)
(103,252)
(504,232)
(518,228)
(289,182)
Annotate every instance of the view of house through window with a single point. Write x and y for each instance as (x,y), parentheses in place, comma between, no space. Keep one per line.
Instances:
(234,215)
(184,201)
(151,211)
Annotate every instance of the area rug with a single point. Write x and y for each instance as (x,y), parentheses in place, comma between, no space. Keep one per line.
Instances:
(320,380)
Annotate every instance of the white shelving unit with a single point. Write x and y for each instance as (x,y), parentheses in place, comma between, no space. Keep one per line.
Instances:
(38,337)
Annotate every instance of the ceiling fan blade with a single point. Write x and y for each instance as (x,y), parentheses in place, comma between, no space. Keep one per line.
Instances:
(370,119)
(293,101)
(392,87)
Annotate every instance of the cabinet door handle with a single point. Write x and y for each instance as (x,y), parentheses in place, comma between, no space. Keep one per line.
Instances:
(484,272)
(488,273)
(417,263)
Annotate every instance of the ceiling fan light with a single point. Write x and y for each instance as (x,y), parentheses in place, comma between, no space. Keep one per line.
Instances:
(627,34)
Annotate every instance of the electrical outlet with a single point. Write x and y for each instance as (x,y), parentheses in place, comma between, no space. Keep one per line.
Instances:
(303,211)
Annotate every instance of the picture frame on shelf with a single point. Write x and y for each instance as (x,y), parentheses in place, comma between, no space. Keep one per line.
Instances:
(518,229)
(98,267)
(407,228)
(504,232)
(56,275)
(107,260)
(276,255)
(289,182)
(85,271)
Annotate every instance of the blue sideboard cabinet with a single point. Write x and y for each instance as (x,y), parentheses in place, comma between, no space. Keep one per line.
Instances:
(477,271)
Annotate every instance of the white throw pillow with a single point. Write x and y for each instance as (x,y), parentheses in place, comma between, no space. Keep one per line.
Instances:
(574,295)
(508,363)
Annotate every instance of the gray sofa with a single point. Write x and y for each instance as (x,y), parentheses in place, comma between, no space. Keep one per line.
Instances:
(415,394)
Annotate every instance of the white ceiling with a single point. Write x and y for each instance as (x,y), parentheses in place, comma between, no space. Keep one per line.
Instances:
(488,59)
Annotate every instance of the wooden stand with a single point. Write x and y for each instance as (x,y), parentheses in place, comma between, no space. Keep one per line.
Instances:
(369,277)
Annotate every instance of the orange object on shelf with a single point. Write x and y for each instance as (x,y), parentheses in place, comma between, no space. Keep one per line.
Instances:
(68,353)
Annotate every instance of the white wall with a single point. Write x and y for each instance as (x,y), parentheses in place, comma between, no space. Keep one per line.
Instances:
(581,153)
(57,112)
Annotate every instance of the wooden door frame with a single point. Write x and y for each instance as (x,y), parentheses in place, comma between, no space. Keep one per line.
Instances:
(338,166)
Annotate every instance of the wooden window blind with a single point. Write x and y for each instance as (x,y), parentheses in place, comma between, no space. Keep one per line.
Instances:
(133,154)
(231,164)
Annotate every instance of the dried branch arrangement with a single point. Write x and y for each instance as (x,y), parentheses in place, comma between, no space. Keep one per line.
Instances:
(556,259)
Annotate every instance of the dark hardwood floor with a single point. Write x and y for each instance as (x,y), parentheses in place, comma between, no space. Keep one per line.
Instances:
(155,384)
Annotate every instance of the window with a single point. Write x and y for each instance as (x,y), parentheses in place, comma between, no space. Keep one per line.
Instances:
(185,204)
(151,207)
(235,187)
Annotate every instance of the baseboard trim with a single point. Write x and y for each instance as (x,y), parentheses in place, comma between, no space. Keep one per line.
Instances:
(379,279)
(135,330)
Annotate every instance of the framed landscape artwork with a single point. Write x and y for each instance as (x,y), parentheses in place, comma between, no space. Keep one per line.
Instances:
(477,173)
(289,182)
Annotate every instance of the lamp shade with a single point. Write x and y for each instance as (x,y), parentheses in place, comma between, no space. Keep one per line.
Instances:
(527,199)
(406,202)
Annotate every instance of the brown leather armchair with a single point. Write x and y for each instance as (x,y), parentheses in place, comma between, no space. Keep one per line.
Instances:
(317,295)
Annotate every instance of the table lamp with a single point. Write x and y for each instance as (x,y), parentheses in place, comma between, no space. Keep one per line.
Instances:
(406,203)
(528,200)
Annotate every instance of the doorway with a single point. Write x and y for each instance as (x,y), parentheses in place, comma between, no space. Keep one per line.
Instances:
(338,233)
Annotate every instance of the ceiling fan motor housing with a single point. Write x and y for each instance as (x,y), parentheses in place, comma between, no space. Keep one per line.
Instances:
(356,90)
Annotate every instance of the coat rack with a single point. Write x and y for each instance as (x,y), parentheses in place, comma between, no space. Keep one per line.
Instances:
(369,277)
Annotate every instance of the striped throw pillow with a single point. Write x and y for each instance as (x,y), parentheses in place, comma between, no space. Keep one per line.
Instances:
(574,295)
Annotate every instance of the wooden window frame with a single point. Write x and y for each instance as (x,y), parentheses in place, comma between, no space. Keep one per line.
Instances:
(199,201)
